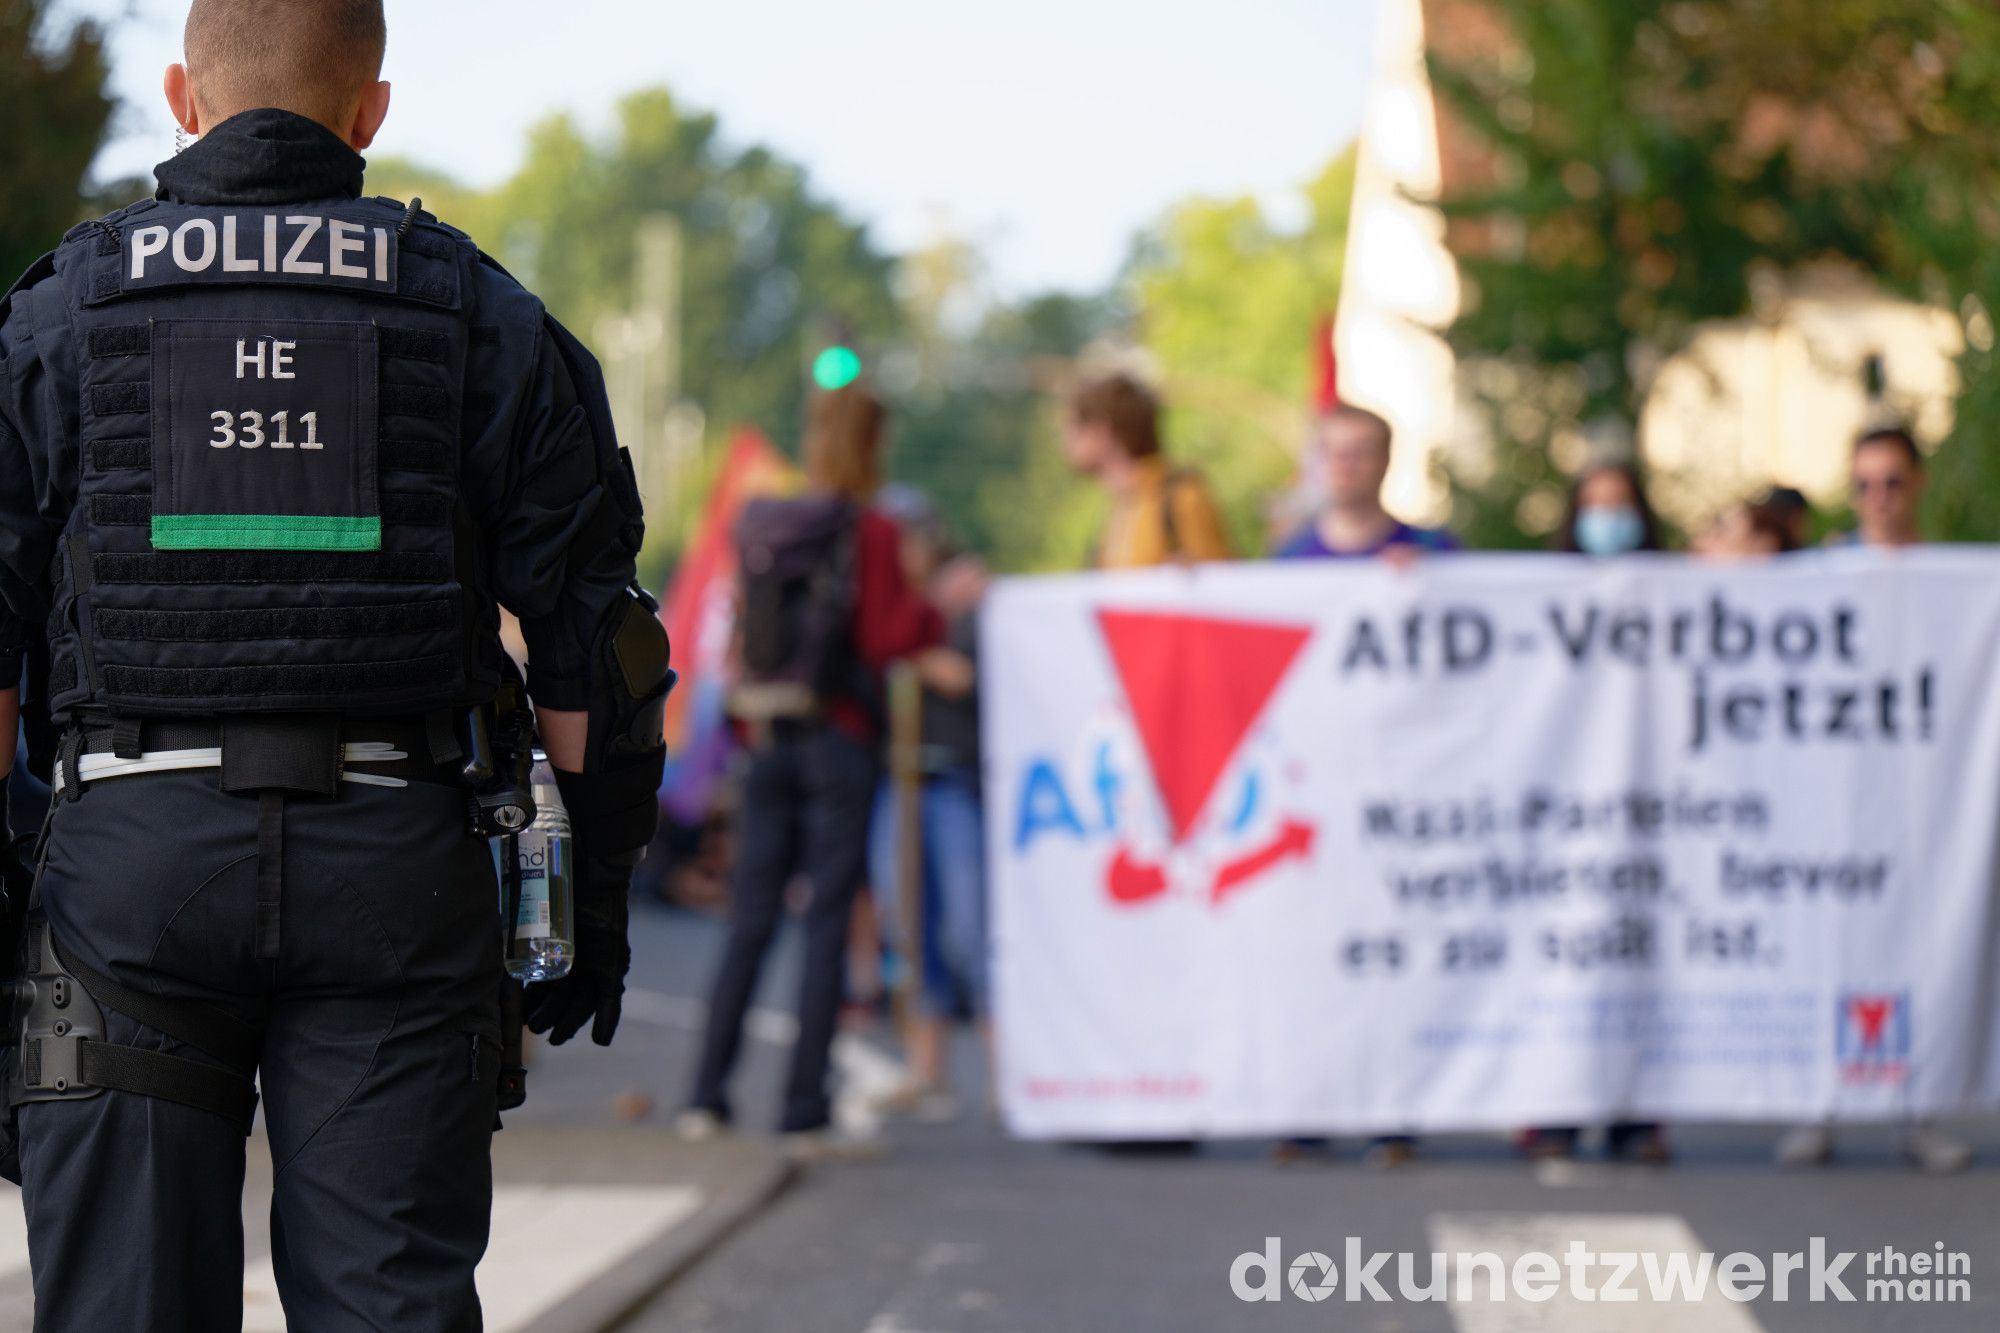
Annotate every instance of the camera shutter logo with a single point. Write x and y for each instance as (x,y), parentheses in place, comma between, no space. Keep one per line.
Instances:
(1312,1276)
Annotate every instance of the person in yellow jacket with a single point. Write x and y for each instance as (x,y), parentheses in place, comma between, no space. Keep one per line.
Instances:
(1160,514)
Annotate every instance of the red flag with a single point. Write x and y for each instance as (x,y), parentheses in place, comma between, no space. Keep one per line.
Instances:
(1326,368)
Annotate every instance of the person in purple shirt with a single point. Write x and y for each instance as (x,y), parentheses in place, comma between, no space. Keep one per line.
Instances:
(1352,524)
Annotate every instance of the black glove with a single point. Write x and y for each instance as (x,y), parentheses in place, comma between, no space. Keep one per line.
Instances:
(593,989)
(613,812)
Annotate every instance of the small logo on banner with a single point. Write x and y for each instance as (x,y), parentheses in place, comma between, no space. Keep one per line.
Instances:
(1873,1036)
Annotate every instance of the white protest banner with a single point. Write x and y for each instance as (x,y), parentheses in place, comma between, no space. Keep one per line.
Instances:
(1495,842)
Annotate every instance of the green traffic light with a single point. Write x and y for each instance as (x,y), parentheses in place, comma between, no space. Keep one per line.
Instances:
(836,368)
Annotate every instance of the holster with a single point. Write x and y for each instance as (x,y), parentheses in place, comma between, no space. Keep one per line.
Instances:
(58,1048)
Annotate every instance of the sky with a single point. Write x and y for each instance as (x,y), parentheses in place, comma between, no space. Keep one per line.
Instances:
(1048,132)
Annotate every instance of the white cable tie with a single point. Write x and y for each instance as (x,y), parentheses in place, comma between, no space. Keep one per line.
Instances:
(89,771)
(211,754)
(372,780)
(94,766)
(376,757)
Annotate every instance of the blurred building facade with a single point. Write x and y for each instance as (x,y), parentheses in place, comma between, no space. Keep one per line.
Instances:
(1773,396)
(1400,283)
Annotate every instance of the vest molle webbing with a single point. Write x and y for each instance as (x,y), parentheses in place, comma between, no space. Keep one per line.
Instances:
(271,402)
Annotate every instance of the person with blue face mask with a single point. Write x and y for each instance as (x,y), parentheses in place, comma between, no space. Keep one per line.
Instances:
(1609,513)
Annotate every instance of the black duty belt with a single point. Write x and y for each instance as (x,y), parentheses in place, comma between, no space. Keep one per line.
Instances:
(387,751)
(274,757)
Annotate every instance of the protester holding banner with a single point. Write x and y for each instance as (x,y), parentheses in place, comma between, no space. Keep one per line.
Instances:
(1887,473)
(826,607)
(1354,447)
(1747,530)
(1609,514)
(1793,512)
(1160,514)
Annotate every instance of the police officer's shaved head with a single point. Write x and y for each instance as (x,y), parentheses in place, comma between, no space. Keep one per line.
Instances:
(319,58)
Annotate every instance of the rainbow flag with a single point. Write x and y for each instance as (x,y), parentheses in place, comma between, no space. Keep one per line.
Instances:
(700,615)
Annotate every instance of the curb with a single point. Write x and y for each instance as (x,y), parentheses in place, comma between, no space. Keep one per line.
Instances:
(626,1289)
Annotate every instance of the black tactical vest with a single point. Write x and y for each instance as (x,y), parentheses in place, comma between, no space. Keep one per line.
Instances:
(268,520)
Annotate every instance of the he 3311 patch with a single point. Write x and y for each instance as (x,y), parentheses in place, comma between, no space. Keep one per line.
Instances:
(264,436)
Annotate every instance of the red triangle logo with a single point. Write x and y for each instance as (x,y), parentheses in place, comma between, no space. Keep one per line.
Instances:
(1196,686)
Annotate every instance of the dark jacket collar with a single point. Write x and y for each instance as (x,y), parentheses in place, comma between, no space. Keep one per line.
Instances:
(262,157)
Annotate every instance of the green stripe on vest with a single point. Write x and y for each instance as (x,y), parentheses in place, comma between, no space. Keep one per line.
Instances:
(265,532)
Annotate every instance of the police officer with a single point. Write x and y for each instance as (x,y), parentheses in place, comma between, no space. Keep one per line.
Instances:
(272,455)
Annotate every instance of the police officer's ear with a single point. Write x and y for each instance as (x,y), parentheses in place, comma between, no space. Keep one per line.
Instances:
(371,108)
(180,99)
(369,113)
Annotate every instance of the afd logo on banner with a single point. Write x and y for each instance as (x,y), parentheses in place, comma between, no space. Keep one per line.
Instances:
(1167,782)
(1873,1036)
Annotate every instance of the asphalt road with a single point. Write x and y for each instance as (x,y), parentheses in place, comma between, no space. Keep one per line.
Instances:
(960,1230)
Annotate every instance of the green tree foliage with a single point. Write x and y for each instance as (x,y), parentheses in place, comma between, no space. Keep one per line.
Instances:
(769,269)
(55,106)
(1653,157)
(1224,292)
(1223,301)
(983,441)
(1226,303)
(470,210)
(1949,249)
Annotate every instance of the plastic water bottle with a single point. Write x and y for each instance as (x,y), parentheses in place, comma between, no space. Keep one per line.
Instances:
(540,946)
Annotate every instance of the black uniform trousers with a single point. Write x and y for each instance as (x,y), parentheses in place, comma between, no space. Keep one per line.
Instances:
(380,1023)
(806,803)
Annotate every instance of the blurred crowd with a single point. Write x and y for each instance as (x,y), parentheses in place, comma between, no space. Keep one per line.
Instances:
(858,800)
